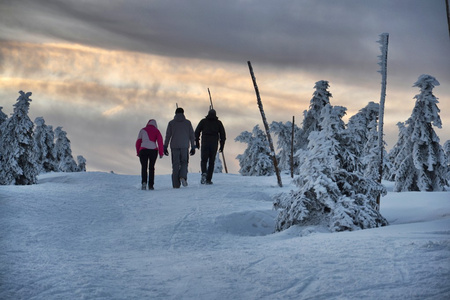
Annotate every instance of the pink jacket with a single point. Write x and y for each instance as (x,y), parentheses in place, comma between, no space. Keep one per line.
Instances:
(150,138)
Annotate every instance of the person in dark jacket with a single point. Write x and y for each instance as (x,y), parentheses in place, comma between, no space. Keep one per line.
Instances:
(212,134)
(179,134)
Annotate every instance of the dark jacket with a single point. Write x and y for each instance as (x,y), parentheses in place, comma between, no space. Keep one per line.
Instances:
(179,133)
(211,130)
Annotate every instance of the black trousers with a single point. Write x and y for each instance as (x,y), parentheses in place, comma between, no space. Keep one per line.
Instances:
(208,158)
(148,160)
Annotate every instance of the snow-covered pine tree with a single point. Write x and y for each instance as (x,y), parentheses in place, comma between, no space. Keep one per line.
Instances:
(358,127)
(81,164)
(45,146)
(256,159)
(447,154)
(329,195)
(421,161)
(218,167)
(321,97)
(283,132)
(395,156)
(64,157)
(19,165)
(3,116)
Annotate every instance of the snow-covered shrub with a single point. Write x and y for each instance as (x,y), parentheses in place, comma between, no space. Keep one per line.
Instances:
(256,159)
(218,168)
(283,132)
(64,157)
(328,193)
(81,164)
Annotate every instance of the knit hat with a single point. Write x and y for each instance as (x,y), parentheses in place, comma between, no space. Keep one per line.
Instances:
(179,110)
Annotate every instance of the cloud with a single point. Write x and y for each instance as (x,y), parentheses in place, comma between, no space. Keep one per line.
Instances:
(101,69)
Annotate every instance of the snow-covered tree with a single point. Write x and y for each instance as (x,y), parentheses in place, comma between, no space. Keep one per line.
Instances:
(283,132)
(396,155)
(358,127)
(421,160)
(447,154)
(218,168)
(64,157)
(256,159)
(311,120)
(18,160)
(81,164)
(3,116)
(45,146)
(330,195)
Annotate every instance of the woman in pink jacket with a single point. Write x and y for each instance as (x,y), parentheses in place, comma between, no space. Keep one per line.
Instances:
(148,145)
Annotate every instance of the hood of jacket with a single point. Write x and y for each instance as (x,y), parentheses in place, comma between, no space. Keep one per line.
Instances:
(212,114)
(179,117)
(152,123)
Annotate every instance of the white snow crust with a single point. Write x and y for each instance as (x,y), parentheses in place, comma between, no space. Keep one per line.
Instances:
(98,236)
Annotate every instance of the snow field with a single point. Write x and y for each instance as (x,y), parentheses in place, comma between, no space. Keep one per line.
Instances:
(98,236)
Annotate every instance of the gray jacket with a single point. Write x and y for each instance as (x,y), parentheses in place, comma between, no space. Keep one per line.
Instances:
(179,133)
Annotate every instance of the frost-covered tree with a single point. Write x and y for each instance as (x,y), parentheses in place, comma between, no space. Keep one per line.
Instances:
(311,118)
(447,154)
(329,195)
(81,164)
(283,132)
(421,163)
(45,146)
(19,165)
(64,157)
(3,116)
(358,127)
(218,168)
(256,159)
(396,155)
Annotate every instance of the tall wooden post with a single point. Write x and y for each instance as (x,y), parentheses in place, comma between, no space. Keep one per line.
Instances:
(292,147)
(266,125)
(384,41)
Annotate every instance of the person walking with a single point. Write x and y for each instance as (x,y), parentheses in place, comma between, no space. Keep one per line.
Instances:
(148,145)
(179,135)
(212,132)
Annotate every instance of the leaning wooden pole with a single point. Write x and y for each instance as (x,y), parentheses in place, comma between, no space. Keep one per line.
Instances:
(266,125)
(384,41)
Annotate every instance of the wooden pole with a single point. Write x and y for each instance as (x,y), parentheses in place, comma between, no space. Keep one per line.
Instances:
(266,125)
(448,16)
(384,41)
(223,155)
(292,148)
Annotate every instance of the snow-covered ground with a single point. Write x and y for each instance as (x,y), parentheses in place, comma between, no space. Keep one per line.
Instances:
(97,236)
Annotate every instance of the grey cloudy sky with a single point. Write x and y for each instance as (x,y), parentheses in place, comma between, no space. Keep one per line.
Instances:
(102,68)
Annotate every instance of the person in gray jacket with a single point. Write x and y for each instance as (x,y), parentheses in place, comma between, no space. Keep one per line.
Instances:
(180,135)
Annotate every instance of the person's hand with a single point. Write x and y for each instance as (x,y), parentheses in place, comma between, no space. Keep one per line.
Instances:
(166,152)
(192,151)
(221,148)
(161,156)
(197,144)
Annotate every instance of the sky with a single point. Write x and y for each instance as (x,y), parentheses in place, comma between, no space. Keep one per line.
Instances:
(101,69)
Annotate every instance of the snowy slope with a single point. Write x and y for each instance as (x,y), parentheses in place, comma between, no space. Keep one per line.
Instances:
(97,236)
